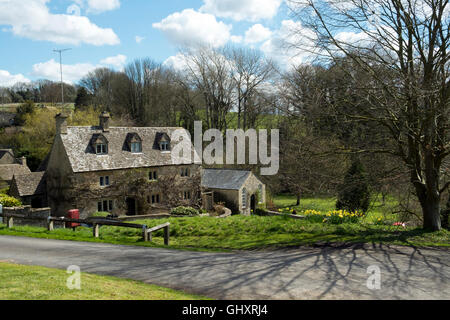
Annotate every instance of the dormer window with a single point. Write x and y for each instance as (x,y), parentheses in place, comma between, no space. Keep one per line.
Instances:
(164,146)
(102,148)
(100,144)
(134,142)
(136,147)
(162,142)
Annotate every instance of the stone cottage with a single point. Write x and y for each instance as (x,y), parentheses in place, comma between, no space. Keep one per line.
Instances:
(10,166)
(125,171)
(240,190)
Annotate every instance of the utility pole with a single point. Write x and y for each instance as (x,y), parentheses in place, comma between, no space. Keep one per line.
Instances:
(60,51)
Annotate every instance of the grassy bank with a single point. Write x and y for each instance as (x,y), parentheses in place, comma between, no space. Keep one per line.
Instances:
(245,233)
(20,282)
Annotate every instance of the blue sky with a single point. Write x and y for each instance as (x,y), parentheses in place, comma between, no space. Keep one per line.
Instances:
(114,32)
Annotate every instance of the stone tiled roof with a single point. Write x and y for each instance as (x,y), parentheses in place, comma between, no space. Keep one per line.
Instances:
(7,171)
(30,184)
(224,179)
(82,156)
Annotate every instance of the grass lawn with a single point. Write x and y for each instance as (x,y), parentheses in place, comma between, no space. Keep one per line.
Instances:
(20,282)
(244,233)
(324,204)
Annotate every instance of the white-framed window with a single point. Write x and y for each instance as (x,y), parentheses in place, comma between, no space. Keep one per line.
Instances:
(136,147)
(153,175)
(187,195)
(104,181)
(244,198)
(101,148)
(164,146)
(185,172)
(105,206)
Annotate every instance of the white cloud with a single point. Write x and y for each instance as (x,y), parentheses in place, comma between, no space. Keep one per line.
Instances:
(282,45)
(32,19)
(7,79)
(257,33)
(98,6)
(251,10)
(177,62)
(73,72)
(116,61)
(192,28)
(236,39)
(139,39)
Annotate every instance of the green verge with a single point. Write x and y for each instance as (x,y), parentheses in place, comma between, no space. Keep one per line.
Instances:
(244,233)
(19,282)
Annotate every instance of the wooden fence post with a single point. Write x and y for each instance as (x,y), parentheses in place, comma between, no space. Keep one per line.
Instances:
(9,222)
(166,235)
(95,230)
(145,233)
(49,224)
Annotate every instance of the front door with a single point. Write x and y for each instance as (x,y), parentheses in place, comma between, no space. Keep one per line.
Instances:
(253,203)
(131,207)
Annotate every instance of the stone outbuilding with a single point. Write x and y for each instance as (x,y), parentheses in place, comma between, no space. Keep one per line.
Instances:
(10,166)
(240,190)
(30,188)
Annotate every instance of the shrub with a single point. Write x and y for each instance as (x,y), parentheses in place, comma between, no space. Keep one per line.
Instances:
(4,191)
(184,211)
(354,194)
(7,201)
(101,214)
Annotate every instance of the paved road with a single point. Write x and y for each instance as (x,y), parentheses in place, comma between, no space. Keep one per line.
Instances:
(304,273)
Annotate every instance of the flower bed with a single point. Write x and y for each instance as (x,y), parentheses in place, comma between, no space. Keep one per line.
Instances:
(333,217)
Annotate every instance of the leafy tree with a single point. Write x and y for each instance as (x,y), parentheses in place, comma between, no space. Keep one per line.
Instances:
(23,110)
(83,98)
(354,194)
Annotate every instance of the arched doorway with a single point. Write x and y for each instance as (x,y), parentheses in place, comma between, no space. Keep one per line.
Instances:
(253,203)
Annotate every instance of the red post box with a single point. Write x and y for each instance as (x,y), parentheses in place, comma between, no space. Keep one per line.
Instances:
(73,214)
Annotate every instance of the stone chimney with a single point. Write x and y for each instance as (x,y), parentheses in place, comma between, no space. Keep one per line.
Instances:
(23,161)
(104,121)
(61,123)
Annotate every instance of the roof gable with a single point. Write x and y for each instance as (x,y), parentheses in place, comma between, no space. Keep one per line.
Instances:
(29,184)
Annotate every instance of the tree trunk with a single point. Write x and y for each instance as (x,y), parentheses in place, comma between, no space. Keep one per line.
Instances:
(445,215)
(430,207)
(298,200)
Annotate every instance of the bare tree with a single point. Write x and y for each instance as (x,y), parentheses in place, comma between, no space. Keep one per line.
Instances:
(402,46)
(209,72)
(252,71)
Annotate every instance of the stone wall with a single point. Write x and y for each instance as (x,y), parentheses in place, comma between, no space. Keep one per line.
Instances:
(27,211)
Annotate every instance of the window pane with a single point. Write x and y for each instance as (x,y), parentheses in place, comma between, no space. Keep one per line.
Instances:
(153,198)
(105,205)
(107,180)
(102,183)
(99,148)
(155,176)
(157,198)
(110,205)
(99,207)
